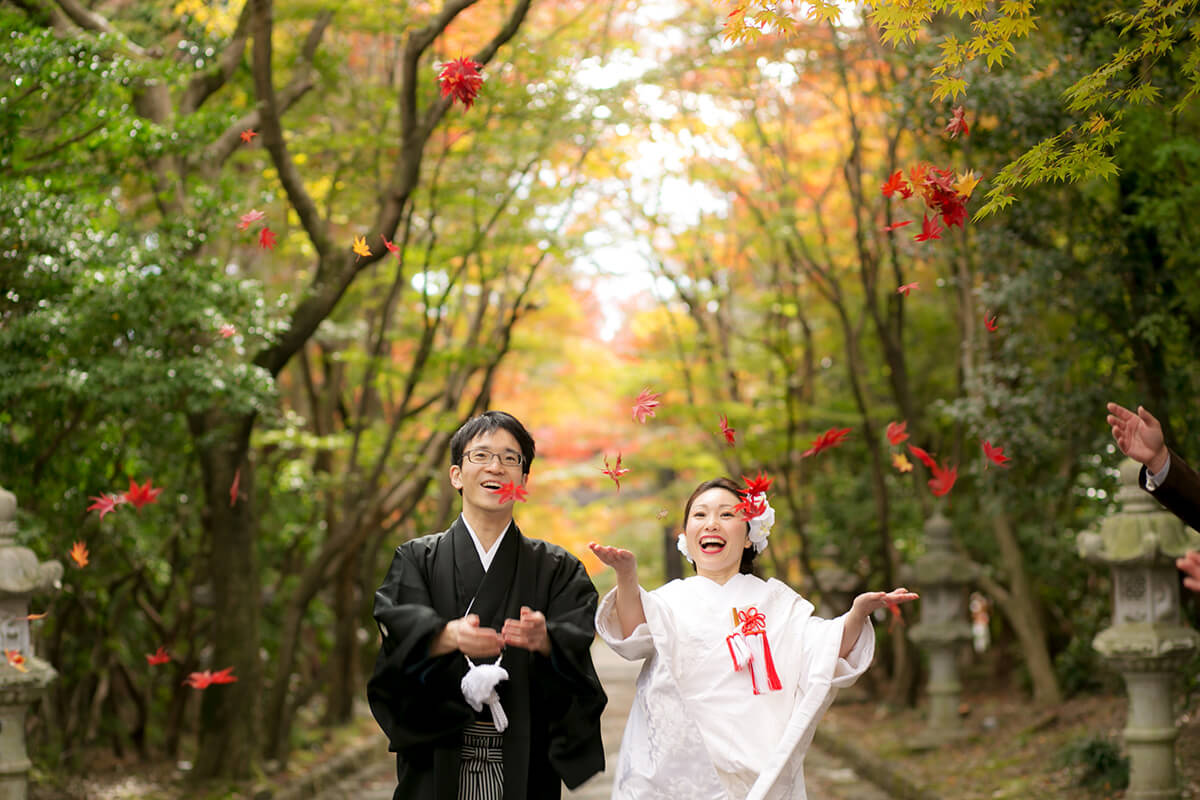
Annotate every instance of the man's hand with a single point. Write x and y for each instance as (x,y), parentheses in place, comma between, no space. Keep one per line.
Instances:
(528,632)
(1190,565)
(466,636)
(1139,436)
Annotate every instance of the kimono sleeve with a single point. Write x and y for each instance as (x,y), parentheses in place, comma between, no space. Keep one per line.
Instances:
(570,681)
(637,645)
(1179,492)
(414,697)
(821,660)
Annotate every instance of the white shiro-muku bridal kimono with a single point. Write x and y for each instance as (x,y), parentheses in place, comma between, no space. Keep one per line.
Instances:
(736,678)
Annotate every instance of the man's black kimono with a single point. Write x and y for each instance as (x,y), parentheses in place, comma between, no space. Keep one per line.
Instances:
(553,703)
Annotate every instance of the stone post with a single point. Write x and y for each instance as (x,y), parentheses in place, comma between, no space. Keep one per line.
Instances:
(20,576)
(1147,642)
(942,575)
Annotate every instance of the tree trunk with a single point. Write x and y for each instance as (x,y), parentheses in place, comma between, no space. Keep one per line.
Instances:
(345,681)
(229,713)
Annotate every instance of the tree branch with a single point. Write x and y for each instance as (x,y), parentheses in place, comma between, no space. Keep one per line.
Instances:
(91,21)
(205,84)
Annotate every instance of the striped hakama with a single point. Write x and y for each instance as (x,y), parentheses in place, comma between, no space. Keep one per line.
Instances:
(481,770)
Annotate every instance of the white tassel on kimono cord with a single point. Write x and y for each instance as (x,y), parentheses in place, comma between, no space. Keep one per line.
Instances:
(479,687)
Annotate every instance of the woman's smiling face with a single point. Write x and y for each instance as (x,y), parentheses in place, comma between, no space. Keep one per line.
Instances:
(716,534)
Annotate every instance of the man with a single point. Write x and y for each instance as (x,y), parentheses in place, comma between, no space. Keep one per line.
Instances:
(1164,474)
(479,591)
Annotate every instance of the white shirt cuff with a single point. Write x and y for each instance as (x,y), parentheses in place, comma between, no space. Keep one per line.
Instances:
(1156,480)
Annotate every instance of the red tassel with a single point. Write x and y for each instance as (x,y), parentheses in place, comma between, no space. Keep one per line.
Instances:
(772,676)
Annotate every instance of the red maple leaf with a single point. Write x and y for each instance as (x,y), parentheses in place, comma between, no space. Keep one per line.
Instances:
(727,431)
(105,503)
(895,225)
(759,484)
(896,432)
(79,554)
(896,183)
(958,123)
(922,456)
(615,472)
(227,330)
(511,491)
(750,508)
(908,287)
(995,455)
(138,496)
(248,134)
(249,218)
(460,78)
(392,247)
(954,210)
(15,660)
(233,487)
(159,656)
(896,619)
(644,405)
(202,680)
(830,438)
(989,322)
(930,229)
(266,239)
(943,480)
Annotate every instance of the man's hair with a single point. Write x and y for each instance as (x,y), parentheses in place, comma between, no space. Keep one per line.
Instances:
(488,422)
(746,567)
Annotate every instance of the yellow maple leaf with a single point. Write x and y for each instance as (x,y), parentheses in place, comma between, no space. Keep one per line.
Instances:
(360,246)
(901,462)
(966,183)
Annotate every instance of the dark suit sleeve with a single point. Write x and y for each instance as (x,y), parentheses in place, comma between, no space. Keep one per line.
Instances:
(1180,492)
(415,698)
(569,679)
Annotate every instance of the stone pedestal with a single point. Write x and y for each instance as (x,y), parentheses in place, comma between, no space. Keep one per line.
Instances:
(942,575)
(20,576)
(1147,642)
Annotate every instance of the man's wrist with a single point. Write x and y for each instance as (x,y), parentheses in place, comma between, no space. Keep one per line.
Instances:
(1157,461)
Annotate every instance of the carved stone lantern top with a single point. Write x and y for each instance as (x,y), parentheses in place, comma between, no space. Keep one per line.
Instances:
(1141,532)
(20,573)
(941,563)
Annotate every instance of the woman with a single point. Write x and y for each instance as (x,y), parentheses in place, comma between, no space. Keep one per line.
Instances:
(738,672)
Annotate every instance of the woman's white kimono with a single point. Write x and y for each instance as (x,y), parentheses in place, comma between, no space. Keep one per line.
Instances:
(697,728)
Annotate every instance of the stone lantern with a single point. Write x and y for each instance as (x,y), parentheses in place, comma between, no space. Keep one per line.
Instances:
(942,575)
(20,576)
(1147,642)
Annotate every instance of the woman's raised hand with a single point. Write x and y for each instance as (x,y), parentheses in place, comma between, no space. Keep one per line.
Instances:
(869,602)
(623,562)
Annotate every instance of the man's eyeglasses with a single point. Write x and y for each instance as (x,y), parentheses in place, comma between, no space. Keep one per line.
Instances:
(508,459)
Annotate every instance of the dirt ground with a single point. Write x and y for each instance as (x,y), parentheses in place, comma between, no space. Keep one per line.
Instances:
(1012,749)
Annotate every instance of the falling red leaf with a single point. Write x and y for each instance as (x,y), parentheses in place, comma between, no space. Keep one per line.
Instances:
(615,472)
(15,659)
(645,404)
(727,431)
(930,229)
(233,487)
(750,507)
(248,134)
(159,656)
(392,247)
(922,456)
(759,484)
(266,239)
(202,680)
(249,218)
(958,123)
(830,438)
(227,330)
(896,183)
(895,225)
(995,455)
(908,287)
(943,480)
(896,619)
(990,322)
(79,554)
(460,78)
(511,491)
(897,432)
(105,503)
(139,496)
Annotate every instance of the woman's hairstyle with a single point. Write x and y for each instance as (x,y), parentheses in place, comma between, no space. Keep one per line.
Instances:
(749,554)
